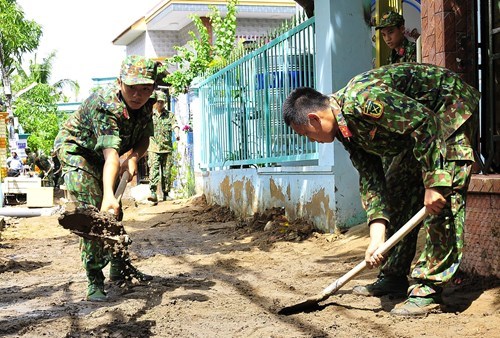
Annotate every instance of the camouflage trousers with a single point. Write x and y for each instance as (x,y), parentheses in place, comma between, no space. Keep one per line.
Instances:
(160,165)
(86,189)
(442,251)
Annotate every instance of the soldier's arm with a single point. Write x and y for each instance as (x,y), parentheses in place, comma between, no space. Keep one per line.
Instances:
(109,176)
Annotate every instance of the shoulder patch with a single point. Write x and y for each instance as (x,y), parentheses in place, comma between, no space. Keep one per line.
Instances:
(373,109)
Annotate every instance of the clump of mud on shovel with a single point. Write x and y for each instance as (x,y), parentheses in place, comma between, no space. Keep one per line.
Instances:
(89,223)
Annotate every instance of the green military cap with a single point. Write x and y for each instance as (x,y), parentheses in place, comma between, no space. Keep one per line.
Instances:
(389,19)
(161,96)
(138,69)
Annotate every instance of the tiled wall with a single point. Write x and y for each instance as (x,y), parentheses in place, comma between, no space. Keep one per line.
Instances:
(482,227)
(448,41)
(447,36)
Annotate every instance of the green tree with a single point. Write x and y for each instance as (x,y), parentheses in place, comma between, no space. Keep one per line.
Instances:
(41,73)
(17,37)
(36,108)
(199,55)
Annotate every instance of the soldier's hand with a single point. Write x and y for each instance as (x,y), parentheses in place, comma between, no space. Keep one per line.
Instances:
(434,201)
(110,204)
(377,238)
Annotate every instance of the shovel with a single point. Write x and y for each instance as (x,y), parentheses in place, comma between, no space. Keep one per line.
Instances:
(312,302)
(89,223)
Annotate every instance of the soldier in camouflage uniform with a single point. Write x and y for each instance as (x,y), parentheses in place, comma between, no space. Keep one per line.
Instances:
(392,29)
(160,148)
(43,163)
(110,123)
(426,115)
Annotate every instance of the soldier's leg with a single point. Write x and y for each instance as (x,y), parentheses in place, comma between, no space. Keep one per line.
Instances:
(442,253)
(85,189)
(154,174)
(121,267)
(161,166)
(166,174)
(169,162)
(405,195)
(405,198)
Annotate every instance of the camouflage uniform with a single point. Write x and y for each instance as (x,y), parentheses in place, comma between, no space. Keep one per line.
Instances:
(101,122)
(43,163)
(45,166)
(160,150)
(424,115)
(408,51)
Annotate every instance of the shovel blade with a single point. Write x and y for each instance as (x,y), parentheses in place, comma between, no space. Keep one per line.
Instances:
(309,305)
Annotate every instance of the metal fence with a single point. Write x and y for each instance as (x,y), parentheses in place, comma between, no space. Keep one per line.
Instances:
(241,104)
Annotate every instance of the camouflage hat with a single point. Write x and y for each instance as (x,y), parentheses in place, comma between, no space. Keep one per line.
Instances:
(138,69)
(161,96)
(390,19)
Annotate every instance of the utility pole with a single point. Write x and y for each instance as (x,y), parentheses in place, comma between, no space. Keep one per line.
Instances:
(5,79)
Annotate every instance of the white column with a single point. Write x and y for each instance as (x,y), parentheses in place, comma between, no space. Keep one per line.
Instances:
(343,50)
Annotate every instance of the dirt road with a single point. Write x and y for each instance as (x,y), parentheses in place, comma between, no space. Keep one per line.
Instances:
(214,277)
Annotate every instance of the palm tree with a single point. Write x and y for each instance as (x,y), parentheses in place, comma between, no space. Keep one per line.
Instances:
(35,102)
(40,73)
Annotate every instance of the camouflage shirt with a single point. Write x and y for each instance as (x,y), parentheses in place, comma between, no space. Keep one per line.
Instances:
(164,122)
(403,106)
(43,163)
(407,53)
(102,121)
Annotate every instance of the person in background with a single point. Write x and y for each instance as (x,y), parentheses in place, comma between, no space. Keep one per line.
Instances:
(392,29)
(160,149)
(15,165)
(42,162)
(424,116)
(113,123)
(56,169)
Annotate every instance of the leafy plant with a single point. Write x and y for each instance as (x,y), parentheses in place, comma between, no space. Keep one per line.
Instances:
(17,36)
(199,55)
(36,108)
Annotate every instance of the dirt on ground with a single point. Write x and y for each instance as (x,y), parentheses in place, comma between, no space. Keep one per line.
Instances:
(215,276)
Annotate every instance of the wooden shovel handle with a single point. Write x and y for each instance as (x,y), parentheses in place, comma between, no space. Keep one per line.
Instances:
(121,186)
(383,249)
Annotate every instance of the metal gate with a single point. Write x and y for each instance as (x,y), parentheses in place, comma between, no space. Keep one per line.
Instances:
(489,85)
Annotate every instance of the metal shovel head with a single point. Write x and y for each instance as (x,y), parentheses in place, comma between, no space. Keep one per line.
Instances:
(310,304)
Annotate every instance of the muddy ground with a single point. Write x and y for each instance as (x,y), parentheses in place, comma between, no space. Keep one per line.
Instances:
(215,277)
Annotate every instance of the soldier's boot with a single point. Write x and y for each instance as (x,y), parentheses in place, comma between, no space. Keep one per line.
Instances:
(95,287)
(418,306)
(122,270)
(397,286)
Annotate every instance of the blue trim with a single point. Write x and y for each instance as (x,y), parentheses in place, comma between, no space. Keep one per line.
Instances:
(412,4)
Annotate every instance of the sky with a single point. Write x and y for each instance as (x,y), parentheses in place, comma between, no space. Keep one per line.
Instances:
(81,34)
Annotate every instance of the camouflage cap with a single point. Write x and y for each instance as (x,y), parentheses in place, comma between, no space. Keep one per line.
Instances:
(138,69)
(161,96)
(390,19)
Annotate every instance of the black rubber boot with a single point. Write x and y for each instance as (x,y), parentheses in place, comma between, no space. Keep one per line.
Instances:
(397,286)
